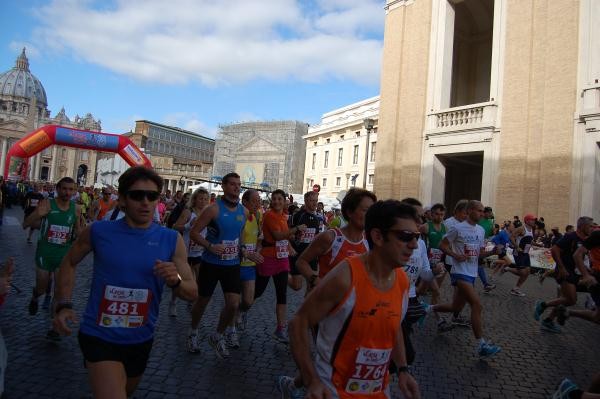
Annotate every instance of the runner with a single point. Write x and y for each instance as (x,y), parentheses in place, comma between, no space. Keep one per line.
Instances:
(566,276)
(330,248)
(59,221)
(196,203)
(309,224)
(220,261)
(32,200)
(251,248)
(133,260)
(522,240)
(103,204)
(464,243)
(356,342)
(589,279)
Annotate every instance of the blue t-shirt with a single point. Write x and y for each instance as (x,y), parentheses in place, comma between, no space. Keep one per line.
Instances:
(125,295)
(226,229)
(502,238)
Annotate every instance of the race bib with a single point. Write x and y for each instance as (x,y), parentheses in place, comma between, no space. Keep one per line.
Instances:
(58,234)
(281,249)
(307,235)
(370,369)
(471,251)
(195,247)
(435,256)
(231,249)
(124,307)
(33,202)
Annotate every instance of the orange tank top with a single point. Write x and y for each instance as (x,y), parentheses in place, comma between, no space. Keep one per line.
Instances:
(104,207)
(340,249)
(355,341)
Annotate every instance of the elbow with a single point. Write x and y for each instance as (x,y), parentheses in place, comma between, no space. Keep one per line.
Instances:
(191,294)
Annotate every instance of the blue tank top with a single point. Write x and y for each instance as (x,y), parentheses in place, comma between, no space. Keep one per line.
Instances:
(226,229)
(125,295)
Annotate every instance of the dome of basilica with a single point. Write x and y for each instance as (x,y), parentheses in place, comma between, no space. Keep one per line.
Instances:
(20,82)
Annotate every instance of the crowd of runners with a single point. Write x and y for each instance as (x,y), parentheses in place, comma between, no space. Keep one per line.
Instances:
(365,272)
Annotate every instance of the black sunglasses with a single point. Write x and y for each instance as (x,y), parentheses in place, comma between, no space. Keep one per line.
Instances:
(139,195)
(406,235)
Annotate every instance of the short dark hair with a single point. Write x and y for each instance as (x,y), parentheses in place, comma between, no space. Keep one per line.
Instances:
(279,192)
(66,179)
(382,215)
(412,201)
(353,198)
(247,194)
(436,207)
(461,205)
(229,176)
(137,173)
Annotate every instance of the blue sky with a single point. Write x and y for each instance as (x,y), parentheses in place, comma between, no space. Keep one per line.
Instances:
(197,63)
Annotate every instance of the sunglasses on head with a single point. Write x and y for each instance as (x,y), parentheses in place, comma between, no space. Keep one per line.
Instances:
(139,195)
(406,235)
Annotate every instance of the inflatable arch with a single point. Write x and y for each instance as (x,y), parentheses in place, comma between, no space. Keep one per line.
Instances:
(17,158)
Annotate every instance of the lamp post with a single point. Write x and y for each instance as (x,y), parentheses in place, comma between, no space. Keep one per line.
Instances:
(368,123)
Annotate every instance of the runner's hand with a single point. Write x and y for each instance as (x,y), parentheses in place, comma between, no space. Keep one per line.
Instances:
(43,208)
(588,281)
(166,270)
(408,386)
(460,257)
(316,390)
(255,257)
(63,319)
(217,249)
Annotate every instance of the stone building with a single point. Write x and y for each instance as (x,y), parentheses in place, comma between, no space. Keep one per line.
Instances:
(340,151)
(267,155)
(180,157)
(497,100)
(24,108)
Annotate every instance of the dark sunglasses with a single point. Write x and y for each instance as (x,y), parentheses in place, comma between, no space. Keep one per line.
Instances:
(139,195)
(406,235)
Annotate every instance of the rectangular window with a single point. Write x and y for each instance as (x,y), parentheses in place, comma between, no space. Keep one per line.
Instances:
(327,141)
(355,156)
(326,161)
(372,154)
(314,161)
(340,156)
(324,182)
(338,181)
(314,143)
(83,155)
(341,137)
(357,134)
(371,178)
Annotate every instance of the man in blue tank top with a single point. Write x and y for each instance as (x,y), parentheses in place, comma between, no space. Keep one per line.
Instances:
(224,221)
(133,260)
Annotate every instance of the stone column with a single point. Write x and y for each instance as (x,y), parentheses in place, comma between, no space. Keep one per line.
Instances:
(3,152)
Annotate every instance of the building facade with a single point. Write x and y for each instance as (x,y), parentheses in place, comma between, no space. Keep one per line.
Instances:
(495,100)
(24,108)
(267,155)
(341,150)
(180,157)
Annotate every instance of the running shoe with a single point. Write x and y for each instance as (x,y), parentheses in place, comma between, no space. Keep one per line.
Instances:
(173,309)
(443,326)
(242,321)
(564,389)
(517,292)
(232,340)
(539,309)
(193,343)
(33,306)
(562,314)
(288,389)
(461,321)
(488,288)
(218,344)
(548,325)
(46,303)
(487,350)
(589,303)
(52,335)
(281,336)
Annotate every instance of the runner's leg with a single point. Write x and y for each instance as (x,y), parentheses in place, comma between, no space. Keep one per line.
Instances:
(108,380)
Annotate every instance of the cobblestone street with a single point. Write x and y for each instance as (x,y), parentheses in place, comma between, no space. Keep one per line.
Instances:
(530,365)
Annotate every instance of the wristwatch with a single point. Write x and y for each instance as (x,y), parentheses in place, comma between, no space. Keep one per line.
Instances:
(173,286)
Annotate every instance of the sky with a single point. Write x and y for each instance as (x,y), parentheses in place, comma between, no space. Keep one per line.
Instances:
(196,64)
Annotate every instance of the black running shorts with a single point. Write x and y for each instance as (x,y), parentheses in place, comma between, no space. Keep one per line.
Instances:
(211,274)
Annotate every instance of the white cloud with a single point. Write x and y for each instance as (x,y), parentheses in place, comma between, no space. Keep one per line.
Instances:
(221,42)
(189,121)
(31,50)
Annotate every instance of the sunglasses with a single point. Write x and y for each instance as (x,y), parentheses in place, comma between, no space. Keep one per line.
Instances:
(406,235)
(139,195)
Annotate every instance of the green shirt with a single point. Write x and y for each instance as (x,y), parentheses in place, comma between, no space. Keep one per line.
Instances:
(488,226)
(56,231)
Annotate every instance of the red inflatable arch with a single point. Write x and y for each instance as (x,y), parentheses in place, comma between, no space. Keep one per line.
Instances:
(17,158)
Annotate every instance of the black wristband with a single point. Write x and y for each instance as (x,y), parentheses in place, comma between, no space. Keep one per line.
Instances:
(402,369)
(66,305)
(177,284)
